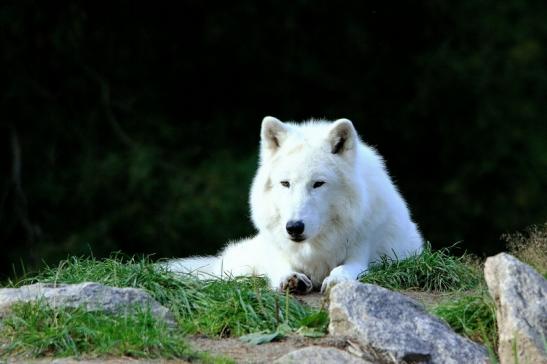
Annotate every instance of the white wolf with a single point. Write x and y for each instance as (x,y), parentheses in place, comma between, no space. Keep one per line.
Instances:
(324,207)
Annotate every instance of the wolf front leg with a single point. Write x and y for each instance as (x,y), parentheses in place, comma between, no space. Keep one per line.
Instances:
(354,265)
(281,274)
(282,278)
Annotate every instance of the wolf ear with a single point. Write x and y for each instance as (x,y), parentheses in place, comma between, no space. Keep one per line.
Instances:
(273,134)
(342,136)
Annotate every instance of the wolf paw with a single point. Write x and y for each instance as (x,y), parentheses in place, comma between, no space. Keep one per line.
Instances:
(296,283)
(331,281)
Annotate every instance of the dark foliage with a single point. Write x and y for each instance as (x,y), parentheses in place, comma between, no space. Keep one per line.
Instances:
(135,127)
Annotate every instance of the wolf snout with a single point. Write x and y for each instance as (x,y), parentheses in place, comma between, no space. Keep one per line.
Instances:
(295,228)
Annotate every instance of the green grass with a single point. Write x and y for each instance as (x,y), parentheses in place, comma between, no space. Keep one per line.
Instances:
(38,330)
(228,307)
(243,305)
(473,316)
(428,271)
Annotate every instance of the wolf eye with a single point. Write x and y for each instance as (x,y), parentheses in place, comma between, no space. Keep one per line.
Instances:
(318,184)
(285,184)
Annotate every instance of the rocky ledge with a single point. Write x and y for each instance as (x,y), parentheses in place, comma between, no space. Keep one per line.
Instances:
(391,327)
(89,295)
(376,325)
(520,295)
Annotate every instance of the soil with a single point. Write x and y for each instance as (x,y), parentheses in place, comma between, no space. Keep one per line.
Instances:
(266,353)
(429,299)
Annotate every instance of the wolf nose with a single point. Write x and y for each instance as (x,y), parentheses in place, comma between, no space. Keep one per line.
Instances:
(295,228)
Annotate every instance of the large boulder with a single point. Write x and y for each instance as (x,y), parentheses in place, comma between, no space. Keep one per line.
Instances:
(520,295)
(90,296)
(394,328)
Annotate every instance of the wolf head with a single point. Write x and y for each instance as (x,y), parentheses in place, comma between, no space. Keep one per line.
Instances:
(306,179)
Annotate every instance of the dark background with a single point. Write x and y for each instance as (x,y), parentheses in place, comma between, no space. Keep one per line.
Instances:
(135,127)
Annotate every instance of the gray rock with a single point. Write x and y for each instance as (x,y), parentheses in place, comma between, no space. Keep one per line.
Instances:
(394,328)
(91,296)
(319,354)
(520,295)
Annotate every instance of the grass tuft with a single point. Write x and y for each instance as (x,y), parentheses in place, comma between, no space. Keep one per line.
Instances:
(427,271)
(530,247)
(36,329)
(473,316)
(239,306)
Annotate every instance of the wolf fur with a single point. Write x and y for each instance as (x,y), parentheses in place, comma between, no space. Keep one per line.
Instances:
(335,190)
